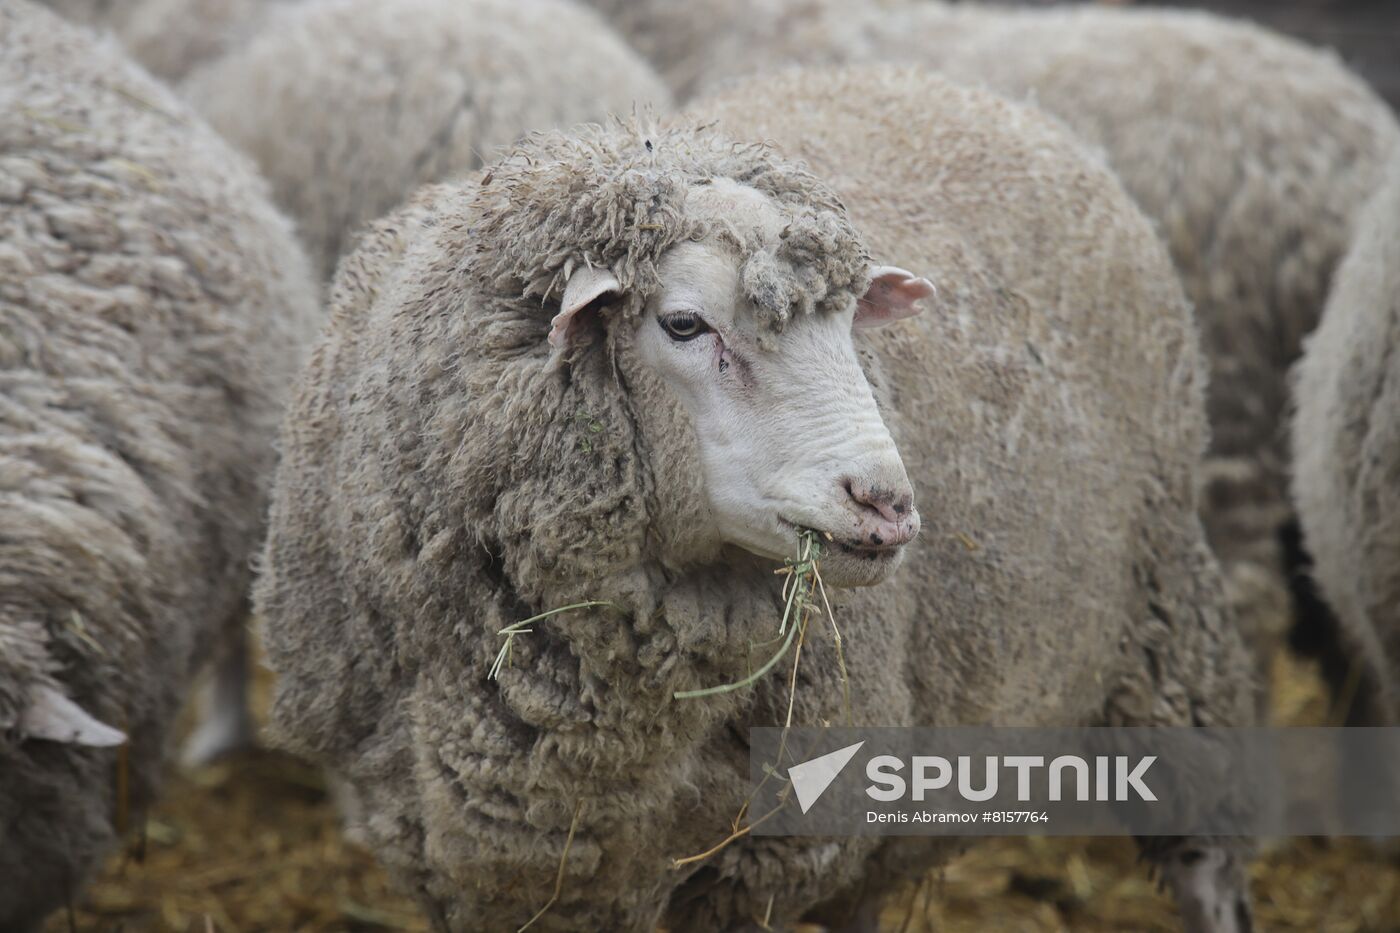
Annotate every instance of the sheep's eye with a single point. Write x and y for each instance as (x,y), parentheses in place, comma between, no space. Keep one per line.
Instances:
(684,326)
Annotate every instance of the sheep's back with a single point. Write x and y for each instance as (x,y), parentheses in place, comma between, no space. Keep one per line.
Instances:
(348,105)
(697,46)
(1346,444)
(171,37)
(1215,128)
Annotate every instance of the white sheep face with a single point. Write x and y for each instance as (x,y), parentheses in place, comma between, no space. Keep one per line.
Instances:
(788,432)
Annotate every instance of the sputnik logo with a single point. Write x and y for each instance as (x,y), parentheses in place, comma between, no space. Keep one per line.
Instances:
(811,778)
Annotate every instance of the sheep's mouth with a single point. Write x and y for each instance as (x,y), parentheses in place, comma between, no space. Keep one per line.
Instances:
(857,548)
(866,551)
(848,561)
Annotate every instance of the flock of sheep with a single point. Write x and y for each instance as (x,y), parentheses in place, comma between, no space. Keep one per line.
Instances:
(1030,284)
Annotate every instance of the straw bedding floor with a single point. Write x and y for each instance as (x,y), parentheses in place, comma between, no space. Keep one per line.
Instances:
(251,844)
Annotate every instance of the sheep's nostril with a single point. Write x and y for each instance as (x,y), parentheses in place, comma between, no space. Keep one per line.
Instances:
(887,504)
(885,516)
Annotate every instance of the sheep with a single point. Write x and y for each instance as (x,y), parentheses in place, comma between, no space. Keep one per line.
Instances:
(172,37)
(1253,154)
(152,304)
(350,104)
(1346,463)
(617,366)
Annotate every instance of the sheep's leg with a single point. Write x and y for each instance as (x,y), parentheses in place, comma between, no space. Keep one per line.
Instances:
(226,723)
(1210,885)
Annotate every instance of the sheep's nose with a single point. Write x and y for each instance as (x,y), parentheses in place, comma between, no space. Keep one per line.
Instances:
(886,514)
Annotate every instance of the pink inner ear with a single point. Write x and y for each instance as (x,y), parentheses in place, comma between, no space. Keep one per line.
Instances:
(894,294)
(584,287)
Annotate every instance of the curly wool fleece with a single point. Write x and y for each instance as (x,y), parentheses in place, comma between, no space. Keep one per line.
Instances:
(445,476)
(617,199)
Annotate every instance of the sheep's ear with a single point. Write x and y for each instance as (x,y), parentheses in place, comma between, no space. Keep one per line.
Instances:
(584,288)
(52,716)
(894,295)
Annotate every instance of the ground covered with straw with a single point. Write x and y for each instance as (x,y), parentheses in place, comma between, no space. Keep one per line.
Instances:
(252,844)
